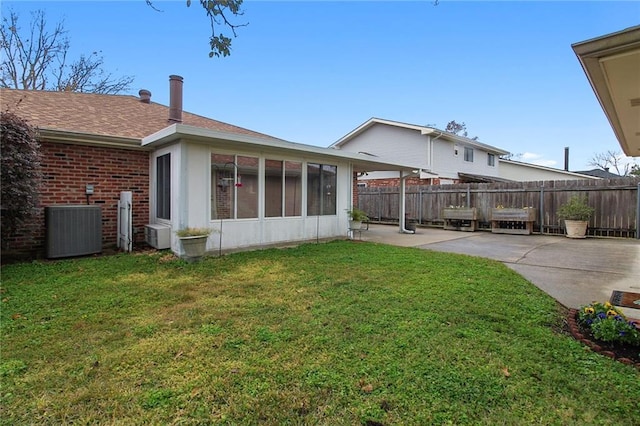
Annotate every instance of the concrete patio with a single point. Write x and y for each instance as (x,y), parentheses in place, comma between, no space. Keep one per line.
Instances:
(574,272)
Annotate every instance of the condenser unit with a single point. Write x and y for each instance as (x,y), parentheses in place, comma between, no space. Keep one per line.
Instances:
(73,230)
(158,236)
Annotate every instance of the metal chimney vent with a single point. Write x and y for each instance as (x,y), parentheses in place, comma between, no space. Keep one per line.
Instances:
(145,96)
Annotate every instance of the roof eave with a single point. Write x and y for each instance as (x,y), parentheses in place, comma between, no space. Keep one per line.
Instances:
(424,130)
(467,141)
(176,132)
(590,53)
(551,169)
(65,136)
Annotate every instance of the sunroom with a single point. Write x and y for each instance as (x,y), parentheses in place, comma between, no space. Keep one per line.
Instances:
(254,192)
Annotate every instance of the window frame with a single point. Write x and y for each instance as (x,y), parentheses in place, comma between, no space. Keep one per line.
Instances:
(325,198)
(163,186)
(468,154)
(228,182)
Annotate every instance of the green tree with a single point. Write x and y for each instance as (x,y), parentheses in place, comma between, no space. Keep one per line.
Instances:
(20,172)
(36,59)
(221,14)
(459,129)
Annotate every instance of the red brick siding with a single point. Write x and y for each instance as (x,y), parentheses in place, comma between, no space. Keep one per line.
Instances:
(354,190)
(68,168)
(395,182)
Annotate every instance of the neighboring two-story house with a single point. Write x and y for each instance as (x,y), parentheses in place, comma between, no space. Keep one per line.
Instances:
(443,157)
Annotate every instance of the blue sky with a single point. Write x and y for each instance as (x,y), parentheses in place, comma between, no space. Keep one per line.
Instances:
(311,72)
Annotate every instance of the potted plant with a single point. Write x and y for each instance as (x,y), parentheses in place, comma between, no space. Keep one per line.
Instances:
(356,217)
(576,214)
(194,242)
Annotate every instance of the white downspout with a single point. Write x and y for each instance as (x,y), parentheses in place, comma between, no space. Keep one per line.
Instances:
(430,154)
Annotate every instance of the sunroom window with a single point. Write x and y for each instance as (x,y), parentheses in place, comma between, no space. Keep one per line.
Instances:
(321,189)
(234,186)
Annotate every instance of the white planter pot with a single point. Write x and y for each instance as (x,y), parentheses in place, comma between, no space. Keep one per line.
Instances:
(355,224)
(194,247)
(576,228)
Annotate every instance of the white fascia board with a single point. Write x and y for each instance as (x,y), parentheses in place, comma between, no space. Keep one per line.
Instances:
(78,138)
(424,130)
(364,126)
(180,131)
(592,55)
(470,142)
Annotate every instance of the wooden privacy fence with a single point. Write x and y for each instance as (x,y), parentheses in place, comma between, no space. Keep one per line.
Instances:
(616,203)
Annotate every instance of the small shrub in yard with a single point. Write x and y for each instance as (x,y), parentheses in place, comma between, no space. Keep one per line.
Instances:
(609,324)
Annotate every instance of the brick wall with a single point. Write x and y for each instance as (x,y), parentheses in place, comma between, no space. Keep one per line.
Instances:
(412,181)
(68,168)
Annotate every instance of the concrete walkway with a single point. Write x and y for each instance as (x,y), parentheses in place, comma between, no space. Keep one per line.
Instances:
(574,272)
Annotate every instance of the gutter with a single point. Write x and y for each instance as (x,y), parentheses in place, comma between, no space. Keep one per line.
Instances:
(90,139)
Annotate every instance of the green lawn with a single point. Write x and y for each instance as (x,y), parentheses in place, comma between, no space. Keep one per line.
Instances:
(337,333)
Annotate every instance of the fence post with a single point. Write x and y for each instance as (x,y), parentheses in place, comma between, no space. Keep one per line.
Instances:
(638,213)
(420,206)
(542,208)
(379,204)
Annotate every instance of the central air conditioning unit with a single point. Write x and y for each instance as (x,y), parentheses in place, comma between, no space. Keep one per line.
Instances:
(72,230)
(158,236)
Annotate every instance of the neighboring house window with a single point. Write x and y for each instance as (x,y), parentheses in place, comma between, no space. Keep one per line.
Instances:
(468,154)
(234,186)
(163,187)
(283,188)
(321,189)
(491,160)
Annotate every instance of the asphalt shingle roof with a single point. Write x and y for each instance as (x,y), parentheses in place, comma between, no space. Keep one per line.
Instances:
(105,115)
(605,174)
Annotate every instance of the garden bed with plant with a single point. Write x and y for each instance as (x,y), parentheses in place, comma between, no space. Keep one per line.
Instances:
(606,330)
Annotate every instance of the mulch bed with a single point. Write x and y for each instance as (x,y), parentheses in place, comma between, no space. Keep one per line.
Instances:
(625,354)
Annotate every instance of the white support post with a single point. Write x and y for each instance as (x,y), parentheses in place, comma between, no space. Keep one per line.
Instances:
(402,203)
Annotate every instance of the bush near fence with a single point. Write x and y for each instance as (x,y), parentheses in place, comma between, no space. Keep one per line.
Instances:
(616,203)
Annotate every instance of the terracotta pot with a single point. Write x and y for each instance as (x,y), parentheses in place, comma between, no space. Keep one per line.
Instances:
(576,228)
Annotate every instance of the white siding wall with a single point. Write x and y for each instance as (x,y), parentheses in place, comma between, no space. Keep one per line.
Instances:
(407,146)
(191,205)
(393,144)
(447,165)
(526,173)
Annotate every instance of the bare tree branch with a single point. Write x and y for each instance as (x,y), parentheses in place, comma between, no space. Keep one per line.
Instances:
(37,60)
(612,159)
